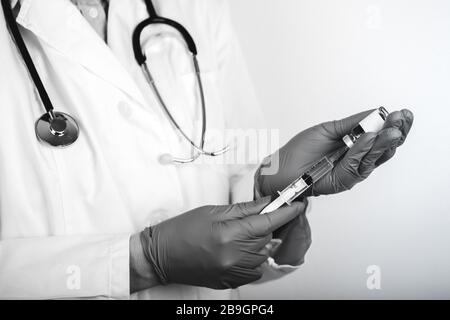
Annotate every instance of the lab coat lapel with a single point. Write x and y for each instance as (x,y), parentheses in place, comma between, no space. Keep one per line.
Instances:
(61,25)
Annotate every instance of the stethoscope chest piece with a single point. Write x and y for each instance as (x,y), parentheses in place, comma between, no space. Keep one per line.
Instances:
(57,129)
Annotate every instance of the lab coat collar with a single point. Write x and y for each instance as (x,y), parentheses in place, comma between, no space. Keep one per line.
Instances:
(60,25)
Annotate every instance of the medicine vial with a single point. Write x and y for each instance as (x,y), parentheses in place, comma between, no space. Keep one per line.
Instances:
(374,122)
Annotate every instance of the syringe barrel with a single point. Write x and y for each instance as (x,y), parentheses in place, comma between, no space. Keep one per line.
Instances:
(303,183)
(300,185)
(295,189)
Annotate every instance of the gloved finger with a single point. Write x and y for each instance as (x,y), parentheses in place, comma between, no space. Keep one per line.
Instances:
(296,223)
(402,120)
(252,259)
(386,139)
(264,224)
(356,153)
(388,154)
(346,172)
(244,209)
(409,120)
(337,129)
(239,276)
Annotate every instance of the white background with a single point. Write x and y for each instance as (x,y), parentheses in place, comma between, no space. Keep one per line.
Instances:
(317,60)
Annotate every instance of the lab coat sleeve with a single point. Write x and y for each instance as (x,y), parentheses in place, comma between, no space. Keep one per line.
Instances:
(243,113)
(60,267)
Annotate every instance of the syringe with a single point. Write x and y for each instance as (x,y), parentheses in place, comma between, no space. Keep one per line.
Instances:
(372,123)
(305,181)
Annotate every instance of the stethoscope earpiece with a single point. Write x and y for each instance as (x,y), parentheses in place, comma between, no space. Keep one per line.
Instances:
(57,129)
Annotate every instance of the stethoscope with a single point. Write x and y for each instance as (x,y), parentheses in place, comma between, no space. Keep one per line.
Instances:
(59,129)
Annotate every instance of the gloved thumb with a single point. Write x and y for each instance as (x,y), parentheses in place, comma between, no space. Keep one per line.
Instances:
(356,153)
(346,173)
(386,139)
(245,209)
(264,224)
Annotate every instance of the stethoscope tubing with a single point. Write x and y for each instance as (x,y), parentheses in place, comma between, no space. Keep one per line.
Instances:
(20,43)
(141,59)
(45,131)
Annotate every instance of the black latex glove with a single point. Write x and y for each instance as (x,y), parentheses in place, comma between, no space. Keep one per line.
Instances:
(215,246)
(309,146)
(295,240)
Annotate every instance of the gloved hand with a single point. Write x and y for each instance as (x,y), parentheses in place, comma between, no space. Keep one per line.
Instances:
(214,246)
(309,146)
(294,240)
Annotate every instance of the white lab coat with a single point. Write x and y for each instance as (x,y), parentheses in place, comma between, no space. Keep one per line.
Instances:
(66,214)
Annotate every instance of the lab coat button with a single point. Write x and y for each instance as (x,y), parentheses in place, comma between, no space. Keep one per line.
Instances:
(125,109)
(93,13)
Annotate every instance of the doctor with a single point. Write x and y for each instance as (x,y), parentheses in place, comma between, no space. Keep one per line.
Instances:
(107,216)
